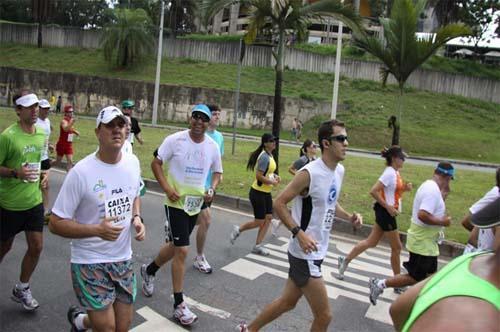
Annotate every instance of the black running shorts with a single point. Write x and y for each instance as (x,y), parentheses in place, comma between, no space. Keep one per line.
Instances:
(301,270)
(384,219)
(262,203)
(178,226)
(13,222)
(420,267)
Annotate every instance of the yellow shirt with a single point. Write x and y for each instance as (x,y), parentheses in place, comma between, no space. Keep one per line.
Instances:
(270,172)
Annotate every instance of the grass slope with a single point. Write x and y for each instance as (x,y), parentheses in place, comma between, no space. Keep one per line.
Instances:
(361,173)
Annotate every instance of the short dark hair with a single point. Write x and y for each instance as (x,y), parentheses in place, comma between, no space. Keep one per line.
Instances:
(19,94)
(213,107)
(325,130)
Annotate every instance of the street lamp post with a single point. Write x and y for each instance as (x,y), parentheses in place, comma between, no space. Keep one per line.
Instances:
(158,67)
(337,71)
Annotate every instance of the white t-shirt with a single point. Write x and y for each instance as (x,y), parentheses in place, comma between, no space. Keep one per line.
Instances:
(188,166)
(93,190)
(486,237)
(45,125)
(390,179)
(315,213)
(428,198)
(127,147)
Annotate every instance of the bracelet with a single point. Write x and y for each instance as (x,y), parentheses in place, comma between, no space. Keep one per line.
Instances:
(138,215)
(13,173)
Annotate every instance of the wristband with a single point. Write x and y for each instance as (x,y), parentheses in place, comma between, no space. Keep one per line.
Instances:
(138,215)
(295,231)
(13,173)
(210,192)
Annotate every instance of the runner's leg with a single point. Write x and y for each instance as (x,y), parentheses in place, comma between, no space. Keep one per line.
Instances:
(316,295)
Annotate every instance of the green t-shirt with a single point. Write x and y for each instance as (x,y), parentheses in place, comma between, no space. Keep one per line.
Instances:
(16,149)
(423,240)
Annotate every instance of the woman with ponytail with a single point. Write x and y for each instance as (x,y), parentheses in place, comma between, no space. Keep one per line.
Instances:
(387,192)
(260,192)
(306,155)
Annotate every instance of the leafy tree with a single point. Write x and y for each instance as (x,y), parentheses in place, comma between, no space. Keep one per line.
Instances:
(478,14)
(446,11)
(400,51)
(81,13)
(41,10)
(281,18)
(128,38)
(16,10)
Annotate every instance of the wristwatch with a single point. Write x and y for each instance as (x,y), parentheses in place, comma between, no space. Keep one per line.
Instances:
(210,192)
(138,215)
(13,173)
(295,231)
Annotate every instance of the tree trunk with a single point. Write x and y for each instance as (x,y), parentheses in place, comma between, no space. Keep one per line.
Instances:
(39,34)
(278,102)
(394,124)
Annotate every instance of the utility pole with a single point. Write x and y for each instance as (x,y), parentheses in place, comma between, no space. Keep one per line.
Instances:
(337,71)
(158,66)
(237,95)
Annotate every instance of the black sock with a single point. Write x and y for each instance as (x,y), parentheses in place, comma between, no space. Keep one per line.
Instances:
(178,299)
(152,268)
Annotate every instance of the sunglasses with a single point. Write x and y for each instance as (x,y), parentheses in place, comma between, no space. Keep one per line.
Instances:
(338,138)
(200,116)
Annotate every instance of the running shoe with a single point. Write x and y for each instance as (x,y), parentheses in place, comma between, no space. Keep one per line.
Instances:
(342,266)
(201,264)
(275,224)
(242,327)
(148,285)
(260,250)
(234,234)
(24,297)
(375,290)
(73,312)
(400,290)
(183,315)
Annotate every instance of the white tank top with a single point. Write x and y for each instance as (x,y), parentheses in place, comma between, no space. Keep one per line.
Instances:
(485,239)
(315,213)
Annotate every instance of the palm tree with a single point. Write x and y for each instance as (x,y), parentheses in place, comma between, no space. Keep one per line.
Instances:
(280,18)
(128,38)
(401,51)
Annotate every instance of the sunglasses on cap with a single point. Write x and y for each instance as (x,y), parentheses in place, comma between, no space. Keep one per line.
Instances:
(200,116)
(338,138)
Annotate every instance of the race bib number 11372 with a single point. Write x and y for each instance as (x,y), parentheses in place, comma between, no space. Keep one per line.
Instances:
(120,207)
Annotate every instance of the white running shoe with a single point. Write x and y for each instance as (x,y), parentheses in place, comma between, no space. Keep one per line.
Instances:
(183,315)
(201,264)
(234,234)
(275,224)
(260,250)
(148,282)
(242,327)
(24,297)
(342,266)
(375,290)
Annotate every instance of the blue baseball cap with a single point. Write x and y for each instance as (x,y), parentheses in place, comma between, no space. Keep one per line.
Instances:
(202,108)
(446,168)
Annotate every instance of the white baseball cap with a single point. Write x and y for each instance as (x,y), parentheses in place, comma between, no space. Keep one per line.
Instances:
(107,114)
(43,103)
(27,100)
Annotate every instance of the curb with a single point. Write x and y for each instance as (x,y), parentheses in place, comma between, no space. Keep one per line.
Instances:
(446,248)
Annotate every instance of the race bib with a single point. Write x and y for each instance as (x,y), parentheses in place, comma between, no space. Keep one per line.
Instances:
(70,138)
(35,167)
(328,220)
(193,204)
(120,207)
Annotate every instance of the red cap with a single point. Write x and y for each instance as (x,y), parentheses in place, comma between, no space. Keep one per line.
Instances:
(68,109)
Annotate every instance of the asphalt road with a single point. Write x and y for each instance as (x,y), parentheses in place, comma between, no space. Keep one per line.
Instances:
(240,286)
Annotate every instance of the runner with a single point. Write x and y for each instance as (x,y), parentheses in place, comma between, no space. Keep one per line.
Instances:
(190,154)
(64,146)
(463,296)
(44,123)
(310,223)
(204,218)
(484,238)
(387,192)
(260,193)
(21,208)
(98,207)
(128,107)
(427,222)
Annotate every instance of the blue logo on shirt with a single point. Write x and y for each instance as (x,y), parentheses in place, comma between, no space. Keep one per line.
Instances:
(332,193)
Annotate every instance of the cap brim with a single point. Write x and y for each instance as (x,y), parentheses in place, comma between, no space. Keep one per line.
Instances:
(27,100)
(488,216)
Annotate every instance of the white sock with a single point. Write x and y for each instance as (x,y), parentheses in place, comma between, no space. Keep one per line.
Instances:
(79,322)
(22,285)
(381,284)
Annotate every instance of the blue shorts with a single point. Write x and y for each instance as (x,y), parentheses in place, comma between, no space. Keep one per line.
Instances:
(97,286)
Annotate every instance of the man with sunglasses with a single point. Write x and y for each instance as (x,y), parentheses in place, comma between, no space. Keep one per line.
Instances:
(98,207)
(310,223)
(190,155)
(427,222)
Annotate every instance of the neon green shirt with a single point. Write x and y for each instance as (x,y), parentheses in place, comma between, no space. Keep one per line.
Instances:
(455,279)
(17,148)
(423,240)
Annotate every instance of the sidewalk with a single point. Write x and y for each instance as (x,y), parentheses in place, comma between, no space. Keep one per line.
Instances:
(446,249)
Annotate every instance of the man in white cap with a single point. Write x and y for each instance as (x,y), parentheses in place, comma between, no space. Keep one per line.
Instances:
(98,207)
(190,154)
(21,208)
(43,122)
